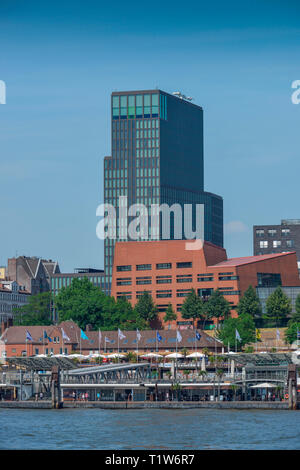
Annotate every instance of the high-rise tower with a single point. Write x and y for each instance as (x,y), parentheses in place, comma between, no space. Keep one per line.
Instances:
(157,158)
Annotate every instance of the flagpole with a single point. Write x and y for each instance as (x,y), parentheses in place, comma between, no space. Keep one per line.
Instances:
(176,356)
(137,348)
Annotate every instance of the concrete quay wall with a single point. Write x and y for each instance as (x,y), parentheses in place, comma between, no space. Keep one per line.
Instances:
(238,405)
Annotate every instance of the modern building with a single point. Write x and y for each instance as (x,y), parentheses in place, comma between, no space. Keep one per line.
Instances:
(12,295)
(277,238)
(31,272)
(169,269)
(157,158)
(95,276)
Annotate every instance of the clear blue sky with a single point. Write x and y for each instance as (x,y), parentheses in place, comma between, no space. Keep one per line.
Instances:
(61,60)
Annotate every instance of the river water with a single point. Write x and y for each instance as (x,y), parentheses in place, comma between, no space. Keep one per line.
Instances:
(149,429)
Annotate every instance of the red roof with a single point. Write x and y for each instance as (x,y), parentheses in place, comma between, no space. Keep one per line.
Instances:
(249,259)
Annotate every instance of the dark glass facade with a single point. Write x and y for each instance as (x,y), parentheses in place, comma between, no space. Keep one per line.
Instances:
(157,158)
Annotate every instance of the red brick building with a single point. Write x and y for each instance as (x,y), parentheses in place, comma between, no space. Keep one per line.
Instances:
(13,340)
(169,269)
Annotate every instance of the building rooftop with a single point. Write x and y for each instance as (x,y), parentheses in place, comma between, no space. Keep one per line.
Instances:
(250,259)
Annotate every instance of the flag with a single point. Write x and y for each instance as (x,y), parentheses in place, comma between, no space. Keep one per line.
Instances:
(99,337)
(159,338)
(237,335)
(64,335)
(120,334)
(198,336)
(28,336)
(257,332)
(298,334)
(83,335)
(47,337)
(178,337)
(107,340)
(277,334)
(138,335)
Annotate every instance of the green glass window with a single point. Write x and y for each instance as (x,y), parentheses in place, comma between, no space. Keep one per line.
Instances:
(123,105)
(131,107)
(155,100)
(139,105)
(146,100)
(147,107)
(115,101)
(155,104)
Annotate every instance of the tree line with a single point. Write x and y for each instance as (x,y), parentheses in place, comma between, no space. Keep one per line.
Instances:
(86,304)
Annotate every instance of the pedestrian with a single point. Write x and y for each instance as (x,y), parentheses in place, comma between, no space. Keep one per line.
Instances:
(41,395)
(74,396)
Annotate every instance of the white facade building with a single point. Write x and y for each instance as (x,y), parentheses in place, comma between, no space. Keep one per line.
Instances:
(12,295)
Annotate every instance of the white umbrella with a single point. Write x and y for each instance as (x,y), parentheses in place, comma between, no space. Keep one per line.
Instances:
(95,355)
(41,355)
(113,356)
(174,355)
(151,355)
(76,356)
(196,354)
(264,385)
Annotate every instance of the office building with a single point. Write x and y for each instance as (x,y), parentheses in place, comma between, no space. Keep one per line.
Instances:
(157,158)
(168,271)
(277,238)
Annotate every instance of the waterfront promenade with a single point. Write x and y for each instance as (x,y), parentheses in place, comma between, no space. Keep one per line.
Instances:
(239,405)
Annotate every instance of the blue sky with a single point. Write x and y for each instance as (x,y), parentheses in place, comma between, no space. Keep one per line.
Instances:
(60,62)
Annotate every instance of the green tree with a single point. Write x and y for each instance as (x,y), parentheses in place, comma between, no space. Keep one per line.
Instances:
(296,315)
(217,306)
(291,332)
(246,329)
(145,308)
(245,326)
(249,303)
(124,316)
(278,307)
(85,304)
(170,315)
(192,307)
(36,312)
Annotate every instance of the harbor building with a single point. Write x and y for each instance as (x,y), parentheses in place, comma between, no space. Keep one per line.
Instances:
(66,337)
(157,158)
(169,269)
